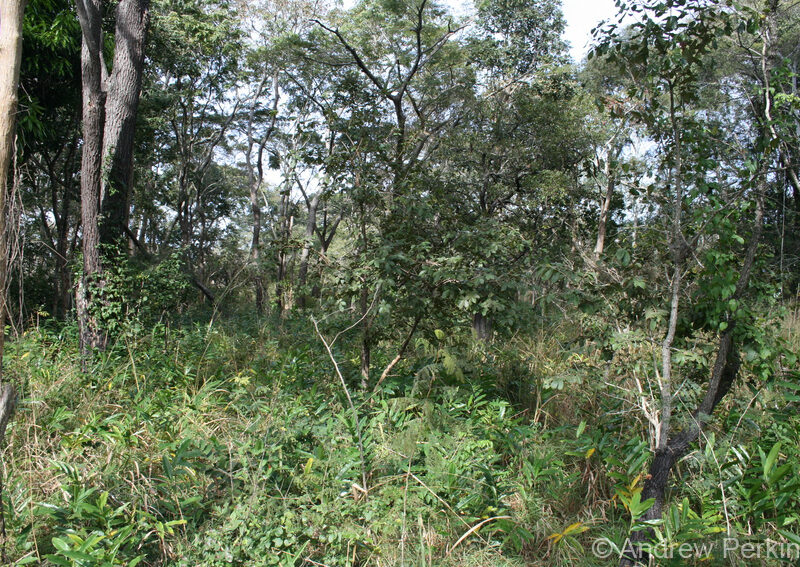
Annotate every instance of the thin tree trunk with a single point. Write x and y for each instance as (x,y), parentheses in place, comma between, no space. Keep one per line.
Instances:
(665,457)
(311,225)
(256,177)
(605,206)
(286,225)
(399,355)
(366,323)
(62,271)
(255,251)
(366,339)
(723,375)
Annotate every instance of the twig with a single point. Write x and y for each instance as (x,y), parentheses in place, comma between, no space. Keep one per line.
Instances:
(349,399)
(475,528)
(399,356)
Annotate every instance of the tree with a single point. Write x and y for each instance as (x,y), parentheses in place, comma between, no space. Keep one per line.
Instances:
(109,118)
(11,17)
(49,151)
(122,101)
(666,50)
(400,102)
(189,111)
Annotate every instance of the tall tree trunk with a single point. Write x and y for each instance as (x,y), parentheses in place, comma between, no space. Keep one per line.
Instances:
(366,323)
(286,222)
(311,226)
(11,16)
(605,205)
(92,71)
(255,250)
(124,87)
(255,172)
(106,137)
(665,454)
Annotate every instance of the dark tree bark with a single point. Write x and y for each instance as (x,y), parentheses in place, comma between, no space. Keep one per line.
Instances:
(325,232)
(56,172)
(124,87)
(92,73)
(481,326)
(106,137)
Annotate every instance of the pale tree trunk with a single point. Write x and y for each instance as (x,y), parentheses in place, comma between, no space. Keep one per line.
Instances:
(311,226)
(286,221)
(255,249)
(255,170)
(11,16)
(124,87)
(612,154)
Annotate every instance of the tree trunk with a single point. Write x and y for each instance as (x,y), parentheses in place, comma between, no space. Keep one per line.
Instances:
(286,222)
(366,335)
(311,225)
(106,136)
(255,173)
(605,207)
(481,326)
(726,367)
(90,17)
(723,375)
(124,87)
(255,251)
(366,341)
(11,16)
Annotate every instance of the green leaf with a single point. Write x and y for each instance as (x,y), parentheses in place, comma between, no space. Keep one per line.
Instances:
(769,462)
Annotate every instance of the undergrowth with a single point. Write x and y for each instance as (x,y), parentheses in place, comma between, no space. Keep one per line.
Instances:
(231,443)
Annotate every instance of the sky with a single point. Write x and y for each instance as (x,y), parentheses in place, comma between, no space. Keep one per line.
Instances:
(582,16)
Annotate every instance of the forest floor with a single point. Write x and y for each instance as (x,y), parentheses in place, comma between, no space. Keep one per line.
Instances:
(233,443)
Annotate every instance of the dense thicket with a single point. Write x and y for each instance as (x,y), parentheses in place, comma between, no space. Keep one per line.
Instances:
(292,283)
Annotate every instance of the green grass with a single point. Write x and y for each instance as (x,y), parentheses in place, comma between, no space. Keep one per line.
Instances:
(232,444)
